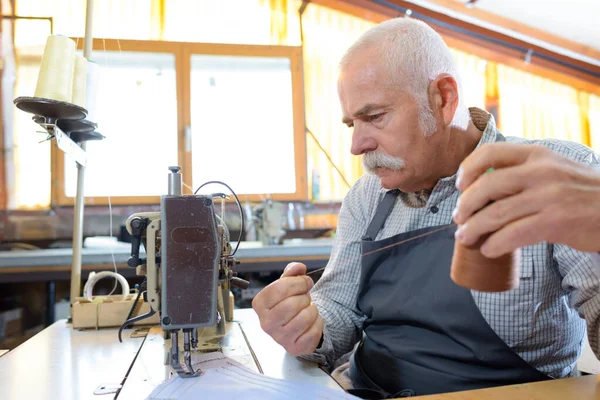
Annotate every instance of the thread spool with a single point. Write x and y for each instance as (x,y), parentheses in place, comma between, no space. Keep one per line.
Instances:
(473,270)
(92,81)
(79,81)
(55,79)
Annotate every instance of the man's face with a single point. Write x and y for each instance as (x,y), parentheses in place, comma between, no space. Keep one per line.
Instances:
(386,127)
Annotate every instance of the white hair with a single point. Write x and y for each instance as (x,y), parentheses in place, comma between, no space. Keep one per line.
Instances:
(414,55)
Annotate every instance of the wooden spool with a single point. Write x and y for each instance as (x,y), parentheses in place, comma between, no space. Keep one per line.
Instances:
(473,270)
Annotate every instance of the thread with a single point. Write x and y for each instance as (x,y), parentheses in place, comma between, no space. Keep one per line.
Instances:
(470,268)
(110,233)
(55,78)
(78,95)
(92,82)
(473,270)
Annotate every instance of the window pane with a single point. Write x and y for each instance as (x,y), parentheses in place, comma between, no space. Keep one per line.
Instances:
(137,112)
(31,151)
(242,123)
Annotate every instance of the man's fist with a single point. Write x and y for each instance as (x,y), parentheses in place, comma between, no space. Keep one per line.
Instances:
(286,312)
(537,196)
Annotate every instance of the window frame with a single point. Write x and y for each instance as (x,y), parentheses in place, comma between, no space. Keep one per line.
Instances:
(183,52)
(58,195)
(295,56)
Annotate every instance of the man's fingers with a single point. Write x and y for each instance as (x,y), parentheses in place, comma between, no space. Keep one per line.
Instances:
(294,269)
(306,323)
(489,187)
(498,214)
(281,289)
(283,312)
(300,323)
(492,155)
(520,233)
(309,340)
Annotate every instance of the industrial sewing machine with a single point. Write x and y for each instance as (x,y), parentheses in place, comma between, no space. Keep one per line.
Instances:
(188,267)
(268,219)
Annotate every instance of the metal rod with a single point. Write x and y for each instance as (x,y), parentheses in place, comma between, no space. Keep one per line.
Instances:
(79,197)
(50,302)
(89,36)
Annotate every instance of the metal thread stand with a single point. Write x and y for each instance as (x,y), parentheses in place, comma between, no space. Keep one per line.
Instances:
(78,210)
(48,113)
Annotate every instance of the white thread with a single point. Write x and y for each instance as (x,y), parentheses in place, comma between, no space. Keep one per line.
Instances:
(95,277)
(223,210)
(112,253)
(188,186)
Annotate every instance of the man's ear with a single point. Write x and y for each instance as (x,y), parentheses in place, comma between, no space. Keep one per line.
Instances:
(443,97)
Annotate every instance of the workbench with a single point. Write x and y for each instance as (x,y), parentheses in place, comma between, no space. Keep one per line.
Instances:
(97,253)
(51,265)
(62,363)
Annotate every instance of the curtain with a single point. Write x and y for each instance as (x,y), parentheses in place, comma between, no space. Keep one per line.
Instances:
(327,34)
(593,117)
(537,108)
(472,71)
(264,22)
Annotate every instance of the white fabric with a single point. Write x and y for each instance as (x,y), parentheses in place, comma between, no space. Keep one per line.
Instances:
(224,378)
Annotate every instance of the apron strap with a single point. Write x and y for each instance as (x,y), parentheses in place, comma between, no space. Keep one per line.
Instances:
(383,210)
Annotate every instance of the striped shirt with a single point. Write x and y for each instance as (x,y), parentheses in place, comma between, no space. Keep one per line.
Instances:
(543,320)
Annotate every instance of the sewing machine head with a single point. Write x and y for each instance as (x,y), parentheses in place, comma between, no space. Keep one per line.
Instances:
(268,219)
(188,267)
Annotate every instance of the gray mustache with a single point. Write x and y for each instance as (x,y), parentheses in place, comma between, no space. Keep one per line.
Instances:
(374,159)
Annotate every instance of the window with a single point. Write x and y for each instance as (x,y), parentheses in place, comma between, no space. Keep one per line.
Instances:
(138,114)
(242,104)
(242,123)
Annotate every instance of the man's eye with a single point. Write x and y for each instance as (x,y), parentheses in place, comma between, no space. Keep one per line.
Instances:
(374,117)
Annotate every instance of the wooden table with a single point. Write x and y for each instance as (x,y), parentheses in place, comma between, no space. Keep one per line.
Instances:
(583,388)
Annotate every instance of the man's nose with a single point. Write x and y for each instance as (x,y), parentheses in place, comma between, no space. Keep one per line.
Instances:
(362,142)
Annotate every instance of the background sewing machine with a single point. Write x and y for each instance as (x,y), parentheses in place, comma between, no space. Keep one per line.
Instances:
(188,267)
(268,219)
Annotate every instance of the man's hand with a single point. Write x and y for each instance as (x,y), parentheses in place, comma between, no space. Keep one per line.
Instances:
(537,196)
(287,314)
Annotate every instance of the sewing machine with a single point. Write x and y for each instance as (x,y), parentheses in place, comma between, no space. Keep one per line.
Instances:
(188,267)
(268,218)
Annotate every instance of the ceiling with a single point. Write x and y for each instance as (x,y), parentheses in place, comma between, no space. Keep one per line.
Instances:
(575,20)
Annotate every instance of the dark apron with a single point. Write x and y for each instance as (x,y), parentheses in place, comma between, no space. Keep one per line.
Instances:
(423,334)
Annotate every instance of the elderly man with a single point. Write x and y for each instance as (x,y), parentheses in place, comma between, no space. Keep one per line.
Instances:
(387,286)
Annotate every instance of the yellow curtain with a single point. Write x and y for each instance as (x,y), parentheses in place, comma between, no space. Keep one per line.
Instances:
(327,34)
(536,108)
(266,22)
(472,70)
(593,115)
